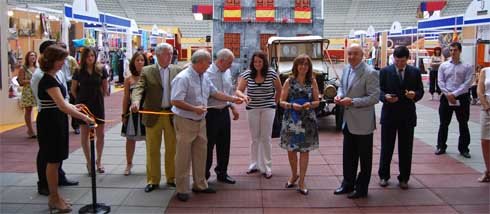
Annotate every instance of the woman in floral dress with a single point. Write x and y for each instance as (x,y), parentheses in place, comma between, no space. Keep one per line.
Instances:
(27,100)
(299,132)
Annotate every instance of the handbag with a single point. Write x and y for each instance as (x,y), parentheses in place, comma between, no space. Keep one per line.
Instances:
(277,125)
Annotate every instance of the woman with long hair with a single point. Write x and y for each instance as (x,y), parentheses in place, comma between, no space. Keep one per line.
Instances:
(133,129)
(27,100)
(299,98)
(52,122)
(89,86)
(263,91)
(435,62)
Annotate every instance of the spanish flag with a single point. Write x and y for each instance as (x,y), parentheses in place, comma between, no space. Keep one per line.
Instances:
(264,14)
(232,14)
(302,15)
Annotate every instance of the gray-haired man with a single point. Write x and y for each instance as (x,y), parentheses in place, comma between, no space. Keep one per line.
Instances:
(218,116)
(190,93)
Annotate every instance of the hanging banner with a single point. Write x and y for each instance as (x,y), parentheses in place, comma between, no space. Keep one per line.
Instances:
(232,14)
(302,15)
(264,14)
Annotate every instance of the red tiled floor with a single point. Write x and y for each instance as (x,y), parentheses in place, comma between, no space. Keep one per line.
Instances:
(441,168)
(448,181)
(393,183)
(473,209)
(311,210)
(175,210)
(398,197)
(222,198)
(408,209)
(311,182)
(315,198)
(464,195)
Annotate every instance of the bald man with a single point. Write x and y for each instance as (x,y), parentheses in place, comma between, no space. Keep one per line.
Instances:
(358,93)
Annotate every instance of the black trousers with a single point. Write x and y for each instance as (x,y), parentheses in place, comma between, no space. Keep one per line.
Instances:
(473,91)
(433,86)
(405,148)
(218,131)
(41,165)
(462,115)
(74,123)
(357,148)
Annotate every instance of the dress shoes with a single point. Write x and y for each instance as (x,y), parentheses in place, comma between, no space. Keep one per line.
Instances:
(342,190)
(465,154)
(171,184)
(207,190)
(302,191)
(440,152)
(226,179)
(403,185)
(355,194)
(151,187)
(383,182)
(183,196)
(67,182)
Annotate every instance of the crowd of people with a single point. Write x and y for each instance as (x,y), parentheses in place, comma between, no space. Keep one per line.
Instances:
(191,107)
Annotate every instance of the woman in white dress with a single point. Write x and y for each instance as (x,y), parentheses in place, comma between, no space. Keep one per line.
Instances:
(484,95)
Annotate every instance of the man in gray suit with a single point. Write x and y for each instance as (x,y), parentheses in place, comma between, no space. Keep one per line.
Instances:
(358,93)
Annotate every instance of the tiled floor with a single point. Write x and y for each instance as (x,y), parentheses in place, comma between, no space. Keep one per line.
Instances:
(439,184)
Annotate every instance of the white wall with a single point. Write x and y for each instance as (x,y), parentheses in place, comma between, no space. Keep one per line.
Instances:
(10,112)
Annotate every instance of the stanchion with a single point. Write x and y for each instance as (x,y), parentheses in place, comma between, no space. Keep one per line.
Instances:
(94,207)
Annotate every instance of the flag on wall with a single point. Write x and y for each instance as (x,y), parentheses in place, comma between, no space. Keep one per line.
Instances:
(204,9)
(232,14)
(264,14)
(302,15)
(432,5)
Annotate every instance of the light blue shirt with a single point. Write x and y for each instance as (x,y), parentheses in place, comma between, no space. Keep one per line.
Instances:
(37,76)
(165,77)
(223,83)
(194,89)
(455,78)
(352,74)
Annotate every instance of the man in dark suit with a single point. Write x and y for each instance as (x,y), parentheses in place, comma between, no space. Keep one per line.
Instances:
(358,93)
(401,86)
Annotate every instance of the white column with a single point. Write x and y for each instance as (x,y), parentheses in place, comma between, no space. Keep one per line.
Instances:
(11,112)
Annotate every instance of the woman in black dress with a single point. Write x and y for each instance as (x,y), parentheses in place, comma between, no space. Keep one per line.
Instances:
(52,122)
(89,86)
